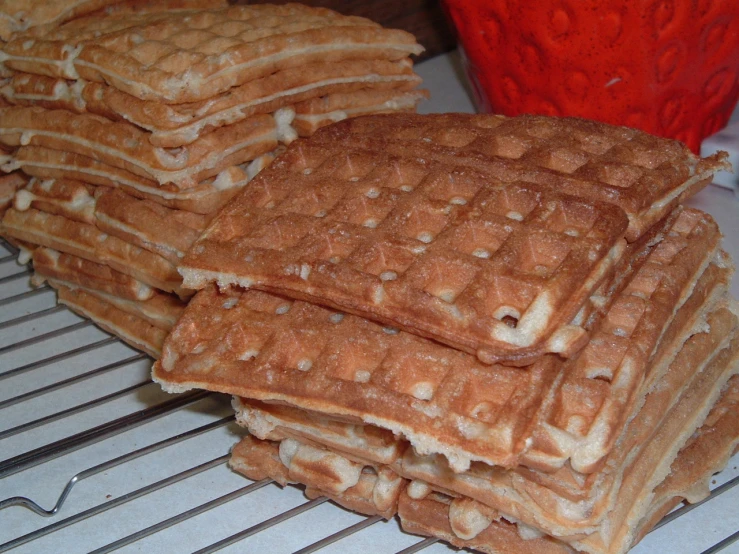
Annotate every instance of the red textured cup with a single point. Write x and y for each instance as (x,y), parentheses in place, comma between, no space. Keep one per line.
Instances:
(669,67)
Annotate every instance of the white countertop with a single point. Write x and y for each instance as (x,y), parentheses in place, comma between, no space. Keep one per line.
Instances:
(690,534)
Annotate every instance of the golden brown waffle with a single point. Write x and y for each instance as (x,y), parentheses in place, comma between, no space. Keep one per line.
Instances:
(363,488)
(428,513)
(9,184)
(496,269)
(346,366)
(565,503)
(190,56)
(180,124)
(163,231)
(123,145)
(19,15)
(652,466)
(311,115)
(612,367)
(88,242)
(207,197)
(71,199)
(644,175)
(52,264)
(469,524)
(277,422)
(133,330)
(561,503)
(707,452)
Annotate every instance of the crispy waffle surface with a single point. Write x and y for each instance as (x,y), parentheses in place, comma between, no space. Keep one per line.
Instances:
(267,348)
(492,268)
(180,124)
(189,56)
(205,198)
(644,175)
(466,522)
(124,146)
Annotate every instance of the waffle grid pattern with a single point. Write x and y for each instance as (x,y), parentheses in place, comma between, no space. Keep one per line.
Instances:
(444,251)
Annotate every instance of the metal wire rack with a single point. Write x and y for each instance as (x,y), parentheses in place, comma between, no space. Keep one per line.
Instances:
(94,457)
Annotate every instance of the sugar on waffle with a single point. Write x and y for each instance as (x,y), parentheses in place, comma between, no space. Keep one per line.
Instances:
(122,145)
(269,348)
(88,242)
(190,56)
(205,198)
(179,124)
(645,175)
(133,330)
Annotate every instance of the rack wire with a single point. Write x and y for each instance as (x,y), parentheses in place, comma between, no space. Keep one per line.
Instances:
(94,457)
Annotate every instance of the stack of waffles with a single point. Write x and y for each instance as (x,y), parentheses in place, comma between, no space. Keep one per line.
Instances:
(509,332)
(137,123)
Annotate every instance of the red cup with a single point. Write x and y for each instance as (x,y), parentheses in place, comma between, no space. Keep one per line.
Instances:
(669,67)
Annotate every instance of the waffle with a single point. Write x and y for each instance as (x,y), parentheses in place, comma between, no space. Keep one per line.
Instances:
(276,422)
(495,269)
(71,199)
(315,113)
(78,272)
(565,504)
(124,146)
(19,15)
(348,367)
(644,175)
(163,231)
(707,452)
(181,124)
(356,486)
(131,329)
(425,511)
(653,464)
(88,242)
(9,184)
(206,198)
(190,56)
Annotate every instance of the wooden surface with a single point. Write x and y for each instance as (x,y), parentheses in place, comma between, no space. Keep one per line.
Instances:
(424,18)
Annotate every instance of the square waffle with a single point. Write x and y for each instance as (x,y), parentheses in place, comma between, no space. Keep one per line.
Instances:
(78,272)
(644,175)
(317,112)
(180,124)
(190,56)
(205,198)
(90,243)
(133,330)
(122,145)
(272,349)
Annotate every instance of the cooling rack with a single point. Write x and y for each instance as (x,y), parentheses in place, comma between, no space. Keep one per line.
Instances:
(94,457)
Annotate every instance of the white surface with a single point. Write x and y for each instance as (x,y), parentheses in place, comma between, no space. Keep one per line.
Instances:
(690,534)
